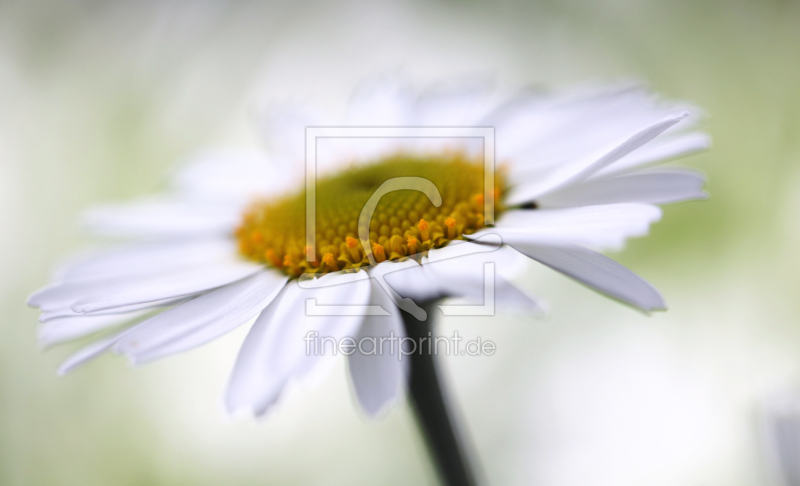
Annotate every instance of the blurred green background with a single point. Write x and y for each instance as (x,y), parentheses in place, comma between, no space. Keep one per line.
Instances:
(98,100)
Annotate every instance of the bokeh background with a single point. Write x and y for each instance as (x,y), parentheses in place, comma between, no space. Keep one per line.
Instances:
(98,100)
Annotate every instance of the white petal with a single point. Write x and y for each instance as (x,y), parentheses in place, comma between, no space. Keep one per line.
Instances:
(257,379)
(659,151)
(460,105)
(88,353)
(160,217)
(201,319)
(283,128)
(409,279)
(148,289)
(534,118)
(457,270)
(581,168)
(377,369)
(383,102)
(68,313)
(598,272)
(144,258)
(659,186)
(465,276)
(99,268)
(276,350)
(539,132)
(93,295)
(600,227)
(412,280)
(235,176)
(64,329)
(480,244)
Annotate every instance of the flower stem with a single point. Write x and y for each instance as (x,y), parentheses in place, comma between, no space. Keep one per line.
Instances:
(430,407)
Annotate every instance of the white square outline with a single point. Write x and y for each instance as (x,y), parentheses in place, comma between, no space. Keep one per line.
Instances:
(313,133)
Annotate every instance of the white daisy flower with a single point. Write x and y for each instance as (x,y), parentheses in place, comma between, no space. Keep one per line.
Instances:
(227,243)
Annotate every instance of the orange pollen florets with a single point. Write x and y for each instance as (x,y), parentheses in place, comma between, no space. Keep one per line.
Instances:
(405,223)
(330,261)
(380,255)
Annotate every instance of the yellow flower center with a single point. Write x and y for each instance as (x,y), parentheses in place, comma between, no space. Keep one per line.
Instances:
(405,224)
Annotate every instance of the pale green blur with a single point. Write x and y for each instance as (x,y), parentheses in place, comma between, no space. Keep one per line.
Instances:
(99,100)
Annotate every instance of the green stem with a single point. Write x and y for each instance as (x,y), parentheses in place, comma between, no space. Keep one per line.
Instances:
(431,408)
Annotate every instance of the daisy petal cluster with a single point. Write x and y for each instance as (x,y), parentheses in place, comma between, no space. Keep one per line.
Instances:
(579,172)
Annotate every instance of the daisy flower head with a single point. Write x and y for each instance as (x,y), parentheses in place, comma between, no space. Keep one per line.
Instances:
(577,173)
